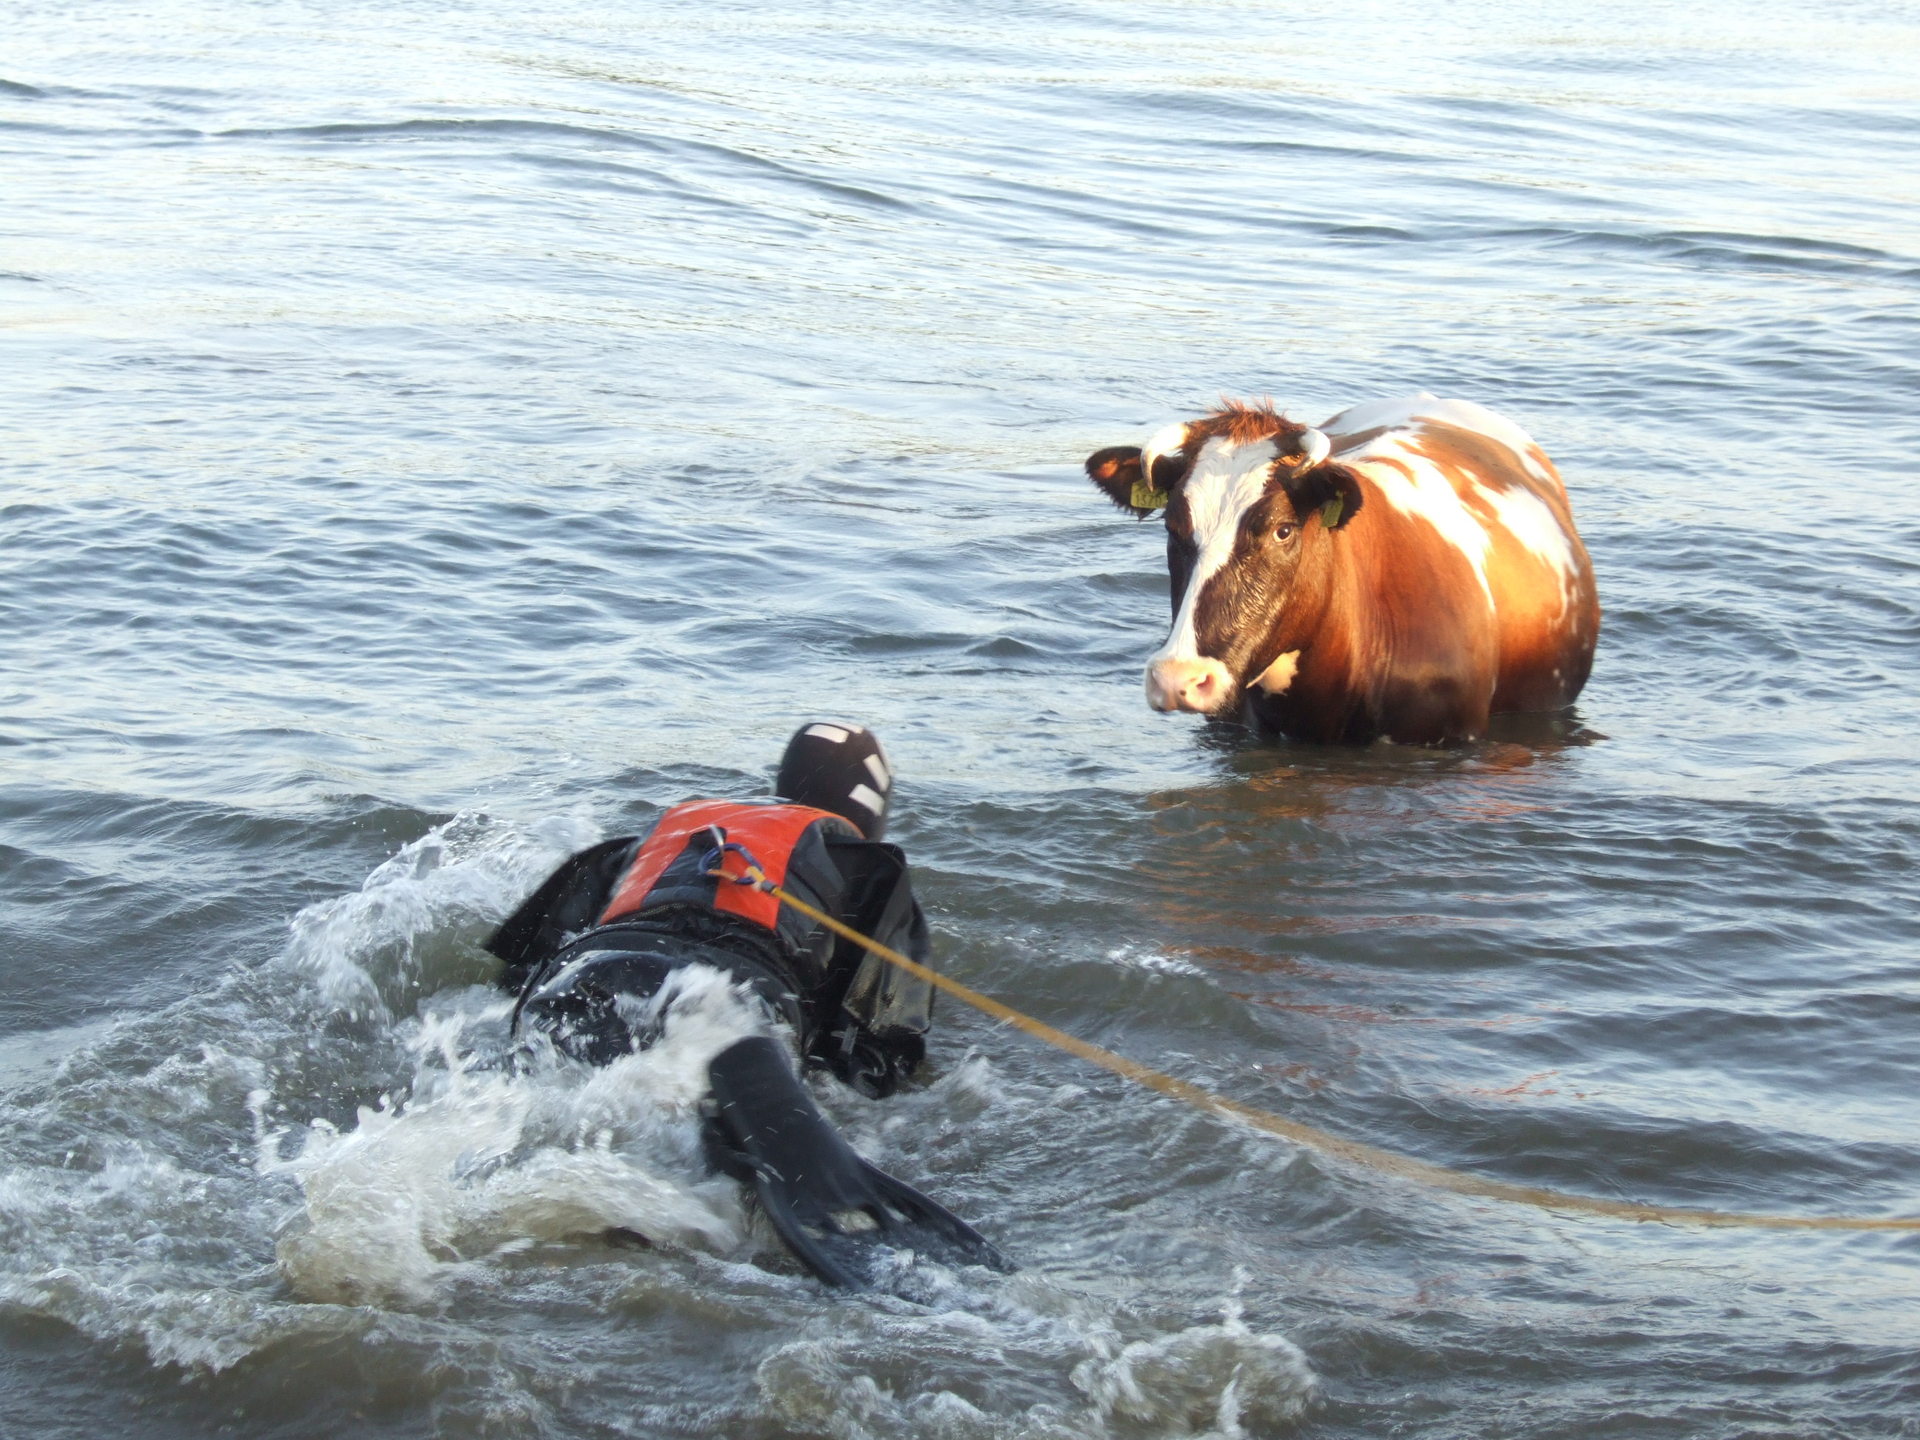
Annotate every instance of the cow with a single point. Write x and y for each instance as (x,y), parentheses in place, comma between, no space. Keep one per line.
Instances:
(1405,570)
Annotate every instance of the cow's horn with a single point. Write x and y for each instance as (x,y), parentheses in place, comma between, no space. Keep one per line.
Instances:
(1314,447)
(1166,440)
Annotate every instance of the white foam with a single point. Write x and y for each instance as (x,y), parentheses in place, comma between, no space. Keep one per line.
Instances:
(111,1237)
(1224,1380)
(29,1055)
(359,950)
(1158,960)
(1204,1380)
(477,1159)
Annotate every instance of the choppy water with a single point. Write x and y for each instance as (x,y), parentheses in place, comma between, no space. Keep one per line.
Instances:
(433,439)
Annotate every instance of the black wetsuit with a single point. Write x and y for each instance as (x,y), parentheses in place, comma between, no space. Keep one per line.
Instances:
(849,1010)
(615,921)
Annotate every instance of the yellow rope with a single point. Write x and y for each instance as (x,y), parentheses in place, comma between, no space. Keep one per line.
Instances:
(1370,1156)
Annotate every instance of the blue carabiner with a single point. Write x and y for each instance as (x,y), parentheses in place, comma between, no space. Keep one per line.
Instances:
(711,862)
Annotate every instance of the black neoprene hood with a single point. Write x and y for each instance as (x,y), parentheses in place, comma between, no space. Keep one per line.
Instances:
(839,768)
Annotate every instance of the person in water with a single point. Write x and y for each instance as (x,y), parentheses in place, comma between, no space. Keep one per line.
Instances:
(605,931)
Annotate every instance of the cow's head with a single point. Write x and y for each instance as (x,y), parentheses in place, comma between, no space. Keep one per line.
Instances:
(1251,504)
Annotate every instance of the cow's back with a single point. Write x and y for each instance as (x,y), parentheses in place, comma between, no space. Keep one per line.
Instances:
(1508,525)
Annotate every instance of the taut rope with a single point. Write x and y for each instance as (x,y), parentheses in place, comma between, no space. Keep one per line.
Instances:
(1370,1156)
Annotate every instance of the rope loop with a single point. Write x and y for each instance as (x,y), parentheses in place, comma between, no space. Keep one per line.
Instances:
(714,863)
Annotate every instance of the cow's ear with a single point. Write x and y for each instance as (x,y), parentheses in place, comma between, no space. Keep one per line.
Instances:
(1334,491)
(1118,473)
(1331,491)
(1315,485)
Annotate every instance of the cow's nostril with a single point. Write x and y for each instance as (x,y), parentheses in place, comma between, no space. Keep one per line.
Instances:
(1186,685)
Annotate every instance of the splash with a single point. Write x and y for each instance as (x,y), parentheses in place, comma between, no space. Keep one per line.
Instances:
(154,1160)
(492,1153)
(1212,1380)
(1218,1382)
(233,1224)
(370,952)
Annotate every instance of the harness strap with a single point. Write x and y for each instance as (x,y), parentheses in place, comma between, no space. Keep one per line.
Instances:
(770,830)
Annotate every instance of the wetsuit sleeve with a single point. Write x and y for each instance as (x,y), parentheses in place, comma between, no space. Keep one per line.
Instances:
(876,1036)
(567,902)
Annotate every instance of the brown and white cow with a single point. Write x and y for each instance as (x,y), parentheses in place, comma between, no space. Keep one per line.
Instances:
(1405,569)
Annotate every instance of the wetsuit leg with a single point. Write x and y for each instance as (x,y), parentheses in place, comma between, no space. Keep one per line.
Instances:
(830,1207)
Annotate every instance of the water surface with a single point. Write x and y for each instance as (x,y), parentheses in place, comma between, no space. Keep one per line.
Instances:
(434,440)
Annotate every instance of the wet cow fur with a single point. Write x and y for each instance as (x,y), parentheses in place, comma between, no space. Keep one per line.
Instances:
(1404,570)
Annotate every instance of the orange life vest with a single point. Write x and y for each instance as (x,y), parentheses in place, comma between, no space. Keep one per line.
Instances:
(769,832)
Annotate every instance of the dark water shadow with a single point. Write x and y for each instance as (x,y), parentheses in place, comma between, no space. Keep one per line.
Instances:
(1332,869)
(1512,742)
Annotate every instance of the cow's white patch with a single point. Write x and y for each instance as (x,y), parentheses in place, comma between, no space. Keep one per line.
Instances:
(1432,495)
(1408,413)
(1525,516)
(1377,415)
(1226,481)
(1278,676)
(1429,495)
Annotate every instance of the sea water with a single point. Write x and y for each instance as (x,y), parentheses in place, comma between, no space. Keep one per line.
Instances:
(436,438)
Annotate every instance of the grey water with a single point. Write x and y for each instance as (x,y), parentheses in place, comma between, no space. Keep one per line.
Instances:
(436,437)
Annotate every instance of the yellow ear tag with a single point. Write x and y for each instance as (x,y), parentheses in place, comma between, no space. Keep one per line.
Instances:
(1145,497)
(1330,512)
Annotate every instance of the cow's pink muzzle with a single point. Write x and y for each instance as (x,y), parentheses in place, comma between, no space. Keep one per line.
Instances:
(1198,684)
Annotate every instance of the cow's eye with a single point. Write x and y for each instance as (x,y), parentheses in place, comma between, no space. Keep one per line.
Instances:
(1283,531)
